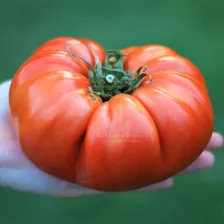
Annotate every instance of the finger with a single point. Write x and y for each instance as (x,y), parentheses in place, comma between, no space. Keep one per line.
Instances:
(11,155)
(78,191)
(204,161)
(215,142)
(29,179)
(168,183)
(73,190)
(6,131)
(4,96)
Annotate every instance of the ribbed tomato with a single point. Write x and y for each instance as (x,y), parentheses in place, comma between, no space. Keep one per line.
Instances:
(110,120)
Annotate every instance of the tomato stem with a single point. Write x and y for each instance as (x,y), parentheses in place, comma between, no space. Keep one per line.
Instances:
(111,78)
(92,93)
(86,62)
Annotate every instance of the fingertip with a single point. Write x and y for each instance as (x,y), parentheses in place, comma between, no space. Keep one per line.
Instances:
(6,132)
(204,161)
(168,183)
(219,139)
(215,142)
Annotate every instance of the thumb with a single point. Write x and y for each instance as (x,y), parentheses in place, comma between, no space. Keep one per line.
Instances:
(4,99)
(6,132)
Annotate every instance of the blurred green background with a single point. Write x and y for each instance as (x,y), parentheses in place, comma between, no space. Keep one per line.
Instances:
(193,28)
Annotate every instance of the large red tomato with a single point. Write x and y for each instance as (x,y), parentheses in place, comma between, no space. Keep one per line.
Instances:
(110,121)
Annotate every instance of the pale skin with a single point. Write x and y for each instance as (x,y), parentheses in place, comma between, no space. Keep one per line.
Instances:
(18,173)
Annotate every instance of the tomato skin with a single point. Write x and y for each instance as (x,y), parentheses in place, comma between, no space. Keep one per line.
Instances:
(54,141)
(173,63)
(149,145)
(48,62)
(143,54)
(128,142)
(129,50)
(60,45)
(99,51)
(108,143)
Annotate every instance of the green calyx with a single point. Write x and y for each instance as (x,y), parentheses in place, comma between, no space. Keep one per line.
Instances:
(111,79)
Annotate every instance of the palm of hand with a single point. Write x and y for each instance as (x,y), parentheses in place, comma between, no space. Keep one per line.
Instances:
(17,172)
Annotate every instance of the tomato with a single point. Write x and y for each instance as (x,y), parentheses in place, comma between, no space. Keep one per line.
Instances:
(173,63)
(95,47)
(98,125)
(129,50)
(143,54)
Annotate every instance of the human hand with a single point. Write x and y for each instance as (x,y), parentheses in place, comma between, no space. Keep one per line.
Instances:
(18,173)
